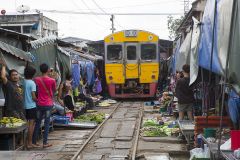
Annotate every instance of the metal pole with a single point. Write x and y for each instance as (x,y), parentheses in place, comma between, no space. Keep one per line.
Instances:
(112,20)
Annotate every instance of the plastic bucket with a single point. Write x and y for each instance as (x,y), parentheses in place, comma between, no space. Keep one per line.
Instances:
(209,132)
(235,140)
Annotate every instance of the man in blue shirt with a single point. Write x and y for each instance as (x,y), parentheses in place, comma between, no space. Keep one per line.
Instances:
(29,102)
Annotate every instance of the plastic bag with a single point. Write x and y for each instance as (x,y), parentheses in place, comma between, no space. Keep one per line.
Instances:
(226,146)
(200,153)
(197,153)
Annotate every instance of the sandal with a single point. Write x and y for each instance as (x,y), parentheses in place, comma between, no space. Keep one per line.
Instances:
(47,145)
(36,145)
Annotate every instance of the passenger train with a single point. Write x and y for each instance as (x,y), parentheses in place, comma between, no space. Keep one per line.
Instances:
(131,64)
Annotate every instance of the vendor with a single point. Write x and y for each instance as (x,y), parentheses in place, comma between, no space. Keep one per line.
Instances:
(83,93)
(13,93)
(65,92)
(185,94)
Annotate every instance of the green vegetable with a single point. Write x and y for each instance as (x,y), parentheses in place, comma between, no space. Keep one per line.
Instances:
(149,123)
(95,117)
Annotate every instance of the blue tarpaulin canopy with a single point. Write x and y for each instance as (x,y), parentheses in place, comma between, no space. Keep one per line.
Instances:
(215,36)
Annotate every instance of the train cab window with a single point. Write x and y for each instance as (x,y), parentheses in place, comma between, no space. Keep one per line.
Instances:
(114,52)
(131,52)
(148,51)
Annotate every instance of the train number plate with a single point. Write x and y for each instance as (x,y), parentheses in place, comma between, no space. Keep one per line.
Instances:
(130,33)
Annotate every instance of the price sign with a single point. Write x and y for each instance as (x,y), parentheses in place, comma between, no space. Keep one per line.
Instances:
(130,33)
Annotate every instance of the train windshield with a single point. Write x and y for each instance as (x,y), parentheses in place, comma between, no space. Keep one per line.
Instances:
(131,53)
(148,51)
(114,52)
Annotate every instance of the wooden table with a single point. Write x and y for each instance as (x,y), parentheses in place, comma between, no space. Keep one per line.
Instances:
(13,132)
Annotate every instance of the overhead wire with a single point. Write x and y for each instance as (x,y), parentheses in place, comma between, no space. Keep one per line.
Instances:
(113,13)
(104,11)
(75,4)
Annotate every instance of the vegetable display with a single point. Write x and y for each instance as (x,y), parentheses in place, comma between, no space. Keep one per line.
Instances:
(151,128)
(93,117)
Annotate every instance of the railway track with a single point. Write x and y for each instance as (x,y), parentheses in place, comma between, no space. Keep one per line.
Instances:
(116,137)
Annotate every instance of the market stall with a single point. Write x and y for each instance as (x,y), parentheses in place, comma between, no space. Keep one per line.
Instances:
(12,126)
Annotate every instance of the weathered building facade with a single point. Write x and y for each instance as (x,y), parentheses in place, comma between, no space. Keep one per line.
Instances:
(34,24)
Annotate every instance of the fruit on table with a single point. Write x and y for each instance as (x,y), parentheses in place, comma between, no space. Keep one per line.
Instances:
(11,122)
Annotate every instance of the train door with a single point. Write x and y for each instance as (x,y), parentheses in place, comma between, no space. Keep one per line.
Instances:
(131,60)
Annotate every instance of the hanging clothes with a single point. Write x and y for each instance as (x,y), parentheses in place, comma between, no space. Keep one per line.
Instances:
(97,87)
(76,75)
(83,68)
(234,106)
(90,73)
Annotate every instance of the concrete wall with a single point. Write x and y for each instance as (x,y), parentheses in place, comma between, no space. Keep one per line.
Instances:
(45,26)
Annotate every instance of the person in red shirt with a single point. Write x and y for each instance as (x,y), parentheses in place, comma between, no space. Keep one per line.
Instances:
(46,87)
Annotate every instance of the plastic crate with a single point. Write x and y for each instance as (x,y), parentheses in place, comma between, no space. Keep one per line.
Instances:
(61,119)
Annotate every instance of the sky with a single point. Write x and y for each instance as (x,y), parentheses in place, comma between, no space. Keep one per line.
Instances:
(96,27)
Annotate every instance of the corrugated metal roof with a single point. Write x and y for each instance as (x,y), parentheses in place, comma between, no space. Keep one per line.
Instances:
(16,52)
(85,56)
(63,51)
(43,41)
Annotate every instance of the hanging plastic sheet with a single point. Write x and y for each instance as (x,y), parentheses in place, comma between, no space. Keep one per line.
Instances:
(224,10)
(194,51)
(172,66)
(217,38)
(183,57)
(234,56)
(206,42)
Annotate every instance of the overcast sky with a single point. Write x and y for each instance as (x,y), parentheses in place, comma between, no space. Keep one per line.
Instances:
(96,27)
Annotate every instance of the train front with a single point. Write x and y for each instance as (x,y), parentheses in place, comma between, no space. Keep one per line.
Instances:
(131,64)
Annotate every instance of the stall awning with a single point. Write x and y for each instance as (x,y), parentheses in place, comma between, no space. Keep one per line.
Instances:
(16,52)
(82,55)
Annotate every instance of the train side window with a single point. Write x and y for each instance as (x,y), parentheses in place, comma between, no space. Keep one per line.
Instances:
(148,51)
(114,52)
(131,52)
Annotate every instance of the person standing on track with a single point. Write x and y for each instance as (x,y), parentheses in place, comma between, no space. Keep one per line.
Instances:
(30,99)
(185,94)
(46,87)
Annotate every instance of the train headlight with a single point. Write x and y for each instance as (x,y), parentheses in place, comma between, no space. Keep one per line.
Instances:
(110,77)
(153,77)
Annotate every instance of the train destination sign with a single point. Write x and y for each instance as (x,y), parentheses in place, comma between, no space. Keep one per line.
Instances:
(130,33)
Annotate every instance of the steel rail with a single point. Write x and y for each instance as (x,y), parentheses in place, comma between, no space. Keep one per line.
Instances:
(137,134)
(94,132)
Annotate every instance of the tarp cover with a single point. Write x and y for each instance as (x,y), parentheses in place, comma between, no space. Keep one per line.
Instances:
(183,57)
(194,51)
(234,56)
(172,66)
(224,22)
(45,54)
(221,36)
